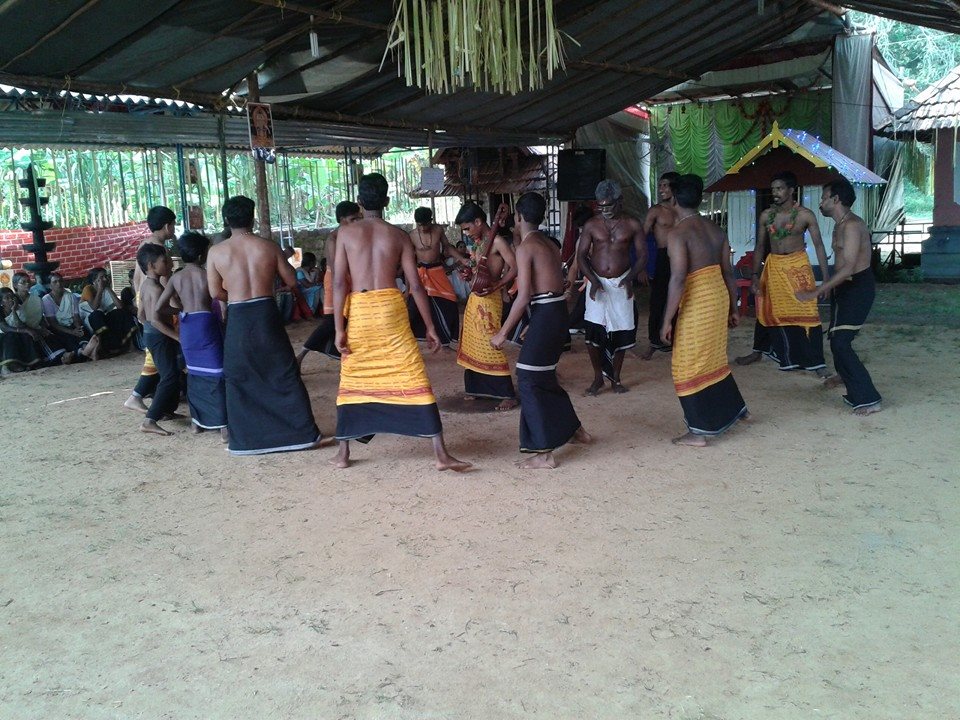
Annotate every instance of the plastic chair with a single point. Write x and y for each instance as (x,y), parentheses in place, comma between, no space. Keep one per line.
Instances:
(743,272)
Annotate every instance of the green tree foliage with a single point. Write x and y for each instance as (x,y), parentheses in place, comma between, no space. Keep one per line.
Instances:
(92,186)
(916,53)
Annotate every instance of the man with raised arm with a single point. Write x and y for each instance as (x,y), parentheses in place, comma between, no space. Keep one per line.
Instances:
(383,381)
(267,404)
(853,290)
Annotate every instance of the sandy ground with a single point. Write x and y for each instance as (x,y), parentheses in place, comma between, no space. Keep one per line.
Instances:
(804,566)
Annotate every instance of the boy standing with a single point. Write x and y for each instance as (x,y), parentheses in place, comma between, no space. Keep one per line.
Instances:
(159,335)
(201,337)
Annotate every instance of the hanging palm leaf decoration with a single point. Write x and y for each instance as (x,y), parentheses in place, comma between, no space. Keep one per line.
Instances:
(503,46)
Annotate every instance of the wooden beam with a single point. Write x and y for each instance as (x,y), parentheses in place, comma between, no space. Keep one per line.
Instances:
(56,31)
(321,15)
(7,4)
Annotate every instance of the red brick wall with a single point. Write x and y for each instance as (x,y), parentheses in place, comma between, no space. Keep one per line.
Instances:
(78,249)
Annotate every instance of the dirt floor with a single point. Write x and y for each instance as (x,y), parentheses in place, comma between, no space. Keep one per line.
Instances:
(804,566)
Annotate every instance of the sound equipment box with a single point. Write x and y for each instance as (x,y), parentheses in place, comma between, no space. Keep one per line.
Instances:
(578,172)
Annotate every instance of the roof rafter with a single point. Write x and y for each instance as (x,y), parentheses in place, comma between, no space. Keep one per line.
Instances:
(55,31)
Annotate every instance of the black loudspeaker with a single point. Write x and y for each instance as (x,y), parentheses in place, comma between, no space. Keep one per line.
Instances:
(578,172)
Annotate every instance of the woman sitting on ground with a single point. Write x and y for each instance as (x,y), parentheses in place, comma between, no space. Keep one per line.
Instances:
(309,280)
(105,315)
(19,349)
(61,309)
(29,314)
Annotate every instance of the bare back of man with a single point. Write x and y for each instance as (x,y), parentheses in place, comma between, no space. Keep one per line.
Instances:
(245,266)
(190,285)
(370,251)
(705,245)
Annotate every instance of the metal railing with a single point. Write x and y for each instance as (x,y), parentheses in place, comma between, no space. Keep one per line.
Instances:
(905,239)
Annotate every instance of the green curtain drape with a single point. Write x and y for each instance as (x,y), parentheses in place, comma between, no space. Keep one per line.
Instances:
(692,129)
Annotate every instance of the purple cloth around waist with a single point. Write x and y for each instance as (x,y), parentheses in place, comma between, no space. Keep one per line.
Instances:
(201,339)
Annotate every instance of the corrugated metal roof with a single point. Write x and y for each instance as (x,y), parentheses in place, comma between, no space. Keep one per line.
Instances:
(935,108)
(507,171)
(201,52)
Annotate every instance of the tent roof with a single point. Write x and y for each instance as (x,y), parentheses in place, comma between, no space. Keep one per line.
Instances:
(935,108)
(806,156)
(202,50)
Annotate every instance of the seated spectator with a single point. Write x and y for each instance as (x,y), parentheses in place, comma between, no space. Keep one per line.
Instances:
(29,315)
(104,314)
(19,350)
(61,309)
(309,280)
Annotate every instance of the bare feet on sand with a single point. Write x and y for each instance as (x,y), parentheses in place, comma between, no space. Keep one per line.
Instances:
(340,461)
(618,388)
(92,349)
(581,437)
(508,404)
(594,389)
(868,410)
(823,374)
(749,359)
(449,462)
(691,440)
(540,461)
(150,426)
(195,429)
(833,381)
(135,402)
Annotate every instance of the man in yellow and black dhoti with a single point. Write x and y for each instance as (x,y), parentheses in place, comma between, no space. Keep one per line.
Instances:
(486,371)
(702,289)
(383,382)
(788,330)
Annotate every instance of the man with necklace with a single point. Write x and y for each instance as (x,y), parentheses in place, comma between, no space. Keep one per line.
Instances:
(787,329)
(603,255)
(431,246)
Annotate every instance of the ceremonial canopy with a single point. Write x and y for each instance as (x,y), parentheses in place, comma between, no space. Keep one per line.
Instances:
(806,156)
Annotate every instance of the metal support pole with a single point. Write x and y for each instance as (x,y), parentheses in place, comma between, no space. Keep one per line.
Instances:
(222,138)
(184,210)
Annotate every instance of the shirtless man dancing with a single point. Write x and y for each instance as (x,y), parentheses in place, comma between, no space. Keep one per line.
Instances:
(603,255)
(383,381)
(786,329)
(431,246)
(853,290)
(267,404)
(660,218)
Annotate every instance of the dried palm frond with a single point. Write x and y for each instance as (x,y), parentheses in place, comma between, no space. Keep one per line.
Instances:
(493,45)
